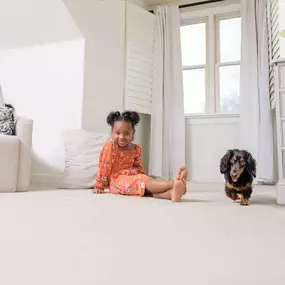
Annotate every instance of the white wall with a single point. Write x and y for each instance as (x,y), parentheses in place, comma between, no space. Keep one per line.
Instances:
(45,83)
(206,143)
(102,24)
(35,22)
(41,72)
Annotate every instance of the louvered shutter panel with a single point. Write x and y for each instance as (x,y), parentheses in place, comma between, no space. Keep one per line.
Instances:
(273,40)
(140,25)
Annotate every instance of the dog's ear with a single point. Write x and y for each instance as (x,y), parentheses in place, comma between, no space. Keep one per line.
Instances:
(225,162)
(251,165)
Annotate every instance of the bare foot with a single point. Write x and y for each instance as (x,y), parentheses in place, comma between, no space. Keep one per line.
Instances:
(182,174)
(179,189)
(179,172)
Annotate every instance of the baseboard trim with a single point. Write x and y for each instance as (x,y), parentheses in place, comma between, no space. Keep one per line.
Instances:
(219,186)
(204,186)
(280,189)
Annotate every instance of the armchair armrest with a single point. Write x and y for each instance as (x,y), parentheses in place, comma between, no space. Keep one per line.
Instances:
(24,131)
(9,153)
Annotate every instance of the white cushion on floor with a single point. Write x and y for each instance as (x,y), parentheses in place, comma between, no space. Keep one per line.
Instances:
(82,150)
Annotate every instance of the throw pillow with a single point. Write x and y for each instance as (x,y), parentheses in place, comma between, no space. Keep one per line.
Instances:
(82,150)
(7,123)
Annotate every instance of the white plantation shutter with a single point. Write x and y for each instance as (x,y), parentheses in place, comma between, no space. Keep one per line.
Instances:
(273,40)
(140,26)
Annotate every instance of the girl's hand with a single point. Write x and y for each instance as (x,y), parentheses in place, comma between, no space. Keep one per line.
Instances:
(98,191)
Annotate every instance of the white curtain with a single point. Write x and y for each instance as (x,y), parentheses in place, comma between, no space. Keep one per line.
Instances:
(167,141)
(256,130)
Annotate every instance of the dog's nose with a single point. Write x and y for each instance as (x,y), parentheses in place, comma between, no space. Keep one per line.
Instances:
(234,173)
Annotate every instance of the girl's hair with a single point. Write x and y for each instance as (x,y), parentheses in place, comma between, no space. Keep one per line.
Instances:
(127,116)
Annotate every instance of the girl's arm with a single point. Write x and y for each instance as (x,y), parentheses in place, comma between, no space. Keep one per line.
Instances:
(138,161)
(105,166)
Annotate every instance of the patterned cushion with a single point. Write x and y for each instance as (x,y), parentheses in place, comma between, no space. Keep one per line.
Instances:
(7,124)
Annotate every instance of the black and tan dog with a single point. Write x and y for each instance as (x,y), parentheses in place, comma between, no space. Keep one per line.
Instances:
(239,168)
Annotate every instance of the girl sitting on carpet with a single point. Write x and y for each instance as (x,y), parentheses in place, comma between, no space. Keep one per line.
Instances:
(121,169)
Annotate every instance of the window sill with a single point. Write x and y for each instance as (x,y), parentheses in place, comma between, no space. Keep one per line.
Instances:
(197,119)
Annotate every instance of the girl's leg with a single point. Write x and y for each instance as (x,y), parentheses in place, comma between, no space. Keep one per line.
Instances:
(171,190)
(164,195)
(175,193)
(161,186)
(158,186)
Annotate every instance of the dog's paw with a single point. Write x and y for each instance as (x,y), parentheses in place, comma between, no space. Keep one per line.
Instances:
(234,196)
(244,202)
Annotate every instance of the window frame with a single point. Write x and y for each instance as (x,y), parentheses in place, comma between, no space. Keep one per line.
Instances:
(211,15)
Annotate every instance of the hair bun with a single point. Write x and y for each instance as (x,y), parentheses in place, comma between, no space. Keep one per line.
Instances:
(112,116)
(134,117)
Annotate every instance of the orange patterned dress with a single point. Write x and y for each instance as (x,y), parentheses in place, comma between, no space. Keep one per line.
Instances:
(121,170)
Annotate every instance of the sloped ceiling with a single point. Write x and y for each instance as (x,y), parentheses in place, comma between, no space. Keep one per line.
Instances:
(35,22)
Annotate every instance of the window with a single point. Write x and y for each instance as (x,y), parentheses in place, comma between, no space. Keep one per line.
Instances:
(194,67)
(211,47)
(228,59)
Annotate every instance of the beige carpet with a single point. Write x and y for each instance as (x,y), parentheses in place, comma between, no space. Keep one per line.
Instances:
(74,237)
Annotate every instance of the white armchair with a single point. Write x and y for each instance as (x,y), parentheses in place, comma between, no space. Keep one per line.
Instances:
(15,157)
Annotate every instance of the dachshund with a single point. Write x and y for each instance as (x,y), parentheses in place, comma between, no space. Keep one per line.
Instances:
(239,168)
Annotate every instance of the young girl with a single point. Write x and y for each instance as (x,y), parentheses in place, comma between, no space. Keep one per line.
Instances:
(120,164)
